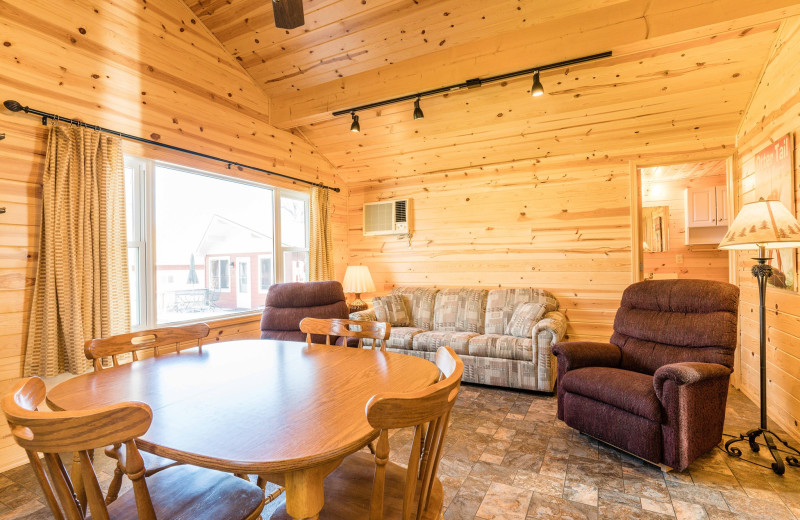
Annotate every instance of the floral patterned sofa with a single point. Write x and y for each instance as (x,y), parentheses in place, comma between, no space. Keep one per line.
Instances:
(475,323)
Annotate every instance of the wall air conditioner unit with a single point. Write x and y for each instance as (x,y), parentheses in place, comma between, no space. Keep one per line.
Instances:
(390,217)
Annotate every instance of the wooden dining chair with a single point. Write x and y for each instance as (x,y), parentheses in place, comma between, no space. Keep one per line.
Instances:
(397,493)
(178,492)
(152,342)
(377,331)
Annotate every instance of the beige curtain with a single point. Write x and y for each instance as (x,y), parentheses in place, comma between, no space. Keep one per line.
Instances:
(81,289)
(321,247)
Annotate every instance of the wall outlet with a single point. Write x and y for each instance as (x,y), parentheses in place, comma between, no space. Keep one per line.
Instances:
(678,259)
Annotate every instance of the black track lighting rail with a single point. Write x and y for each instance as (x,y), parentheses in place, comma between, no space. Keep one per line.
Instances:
(474,83)
(15,106)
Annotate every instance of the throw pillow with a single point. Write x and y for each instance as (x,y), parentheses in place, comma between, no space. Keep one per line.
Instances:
(391,309)
(524,318)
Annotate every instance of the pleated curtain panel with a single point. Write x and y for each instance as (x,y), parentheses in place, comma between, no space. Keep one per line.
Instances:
(321,246)
(81,289)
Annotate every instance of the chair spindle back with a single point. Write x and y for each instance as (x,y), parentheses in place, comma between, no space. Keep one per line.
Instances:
(51,433)
(428,411)
(377,331)
(135,342)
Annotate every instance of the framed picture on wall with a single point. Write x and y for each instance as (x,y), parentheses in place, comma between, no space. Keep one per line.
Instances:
(774,180)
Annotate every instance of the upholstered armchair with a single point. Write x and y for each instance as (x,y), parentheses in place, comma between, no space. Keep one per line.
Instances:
(288,303)
(658,389)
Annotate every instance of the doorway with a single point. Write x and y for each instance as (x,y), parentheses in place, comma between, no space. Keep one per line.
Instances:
(683,217)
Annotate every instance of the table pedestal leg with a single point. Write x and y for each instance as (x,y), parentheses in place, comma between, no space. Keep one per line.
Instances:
(305,494)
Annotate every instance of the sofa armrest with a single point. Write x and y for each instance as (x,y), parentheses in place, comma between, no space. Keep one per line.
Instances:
(686,374)
(552,327)
(367,315)
(579,354)
(545,333)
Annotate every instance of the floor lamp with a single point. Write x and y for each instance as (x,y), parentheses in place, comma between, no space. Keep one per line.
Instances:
(763,225)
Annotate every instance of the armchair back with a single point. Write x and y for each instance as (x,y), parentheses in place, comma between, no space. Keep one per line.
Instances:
(672,321)
(288,303)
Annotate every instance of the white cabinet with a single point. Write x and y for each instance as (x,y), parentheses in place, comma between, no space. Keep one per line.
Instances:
(706,214)
(722,206)
(701,207)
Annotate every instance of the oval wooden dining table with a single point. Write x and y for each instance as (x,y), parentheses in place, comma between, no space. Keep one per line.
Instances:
(284,410)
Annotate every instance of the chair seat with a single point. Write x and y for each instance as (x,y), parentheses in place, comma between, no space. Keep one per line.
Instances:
(624,389)
(188,492)
(349,488)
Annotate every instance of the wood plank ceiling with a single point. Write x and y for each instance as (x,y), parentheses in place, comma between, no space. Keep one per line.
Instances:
(679,68)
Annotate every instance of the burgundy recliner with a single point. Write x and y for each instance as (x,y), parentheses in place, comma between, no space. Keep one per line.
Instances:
(658,389)
(288,303)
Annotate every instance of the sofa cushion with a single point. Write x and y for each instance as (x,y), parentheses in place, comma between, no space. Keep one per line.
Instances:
(524,318)
(431,341)
(501,303)
(400,337)
(501,346)
(419,302)
(629,391)
(460,310)
(391,309)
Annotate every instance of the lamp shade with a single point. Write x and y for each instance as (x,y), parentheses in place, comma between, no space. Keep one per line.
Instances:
(358,280)
(766,223)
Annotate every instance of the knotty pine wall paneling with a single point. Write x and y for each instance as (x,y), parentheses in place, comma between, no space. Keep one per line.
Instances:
(144,68)
(774,111)
(557,224)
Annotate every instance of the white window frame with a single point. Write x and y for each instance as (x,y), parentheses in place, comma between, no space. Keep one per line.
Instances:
(279,248)
(139,242)
(144,230)
(272,268)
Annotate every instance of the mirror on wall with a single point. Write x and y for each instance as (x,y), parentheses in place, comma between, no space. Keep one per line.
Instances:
(655,229)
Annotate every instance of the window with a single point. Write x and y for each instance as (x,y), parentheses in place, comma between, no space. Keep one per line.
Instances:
(294,236)
(219,274)
(264,273)
(199,242)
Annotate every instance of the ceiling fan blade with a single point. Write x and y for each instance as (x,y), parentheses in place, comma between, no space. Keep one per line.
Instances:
(288,13)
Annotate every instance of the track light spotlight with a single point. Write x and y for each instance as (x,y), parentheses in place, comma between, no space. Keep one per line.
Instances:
(418,111)
(355,127)
(537,89)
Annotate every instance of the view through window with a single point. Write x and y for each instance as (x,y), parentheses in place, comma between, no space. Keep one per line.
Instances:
(215,243)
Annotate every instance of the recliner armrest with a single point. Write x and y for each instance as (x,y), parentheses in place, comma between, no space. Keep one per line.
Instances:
(687,373)
(579,354)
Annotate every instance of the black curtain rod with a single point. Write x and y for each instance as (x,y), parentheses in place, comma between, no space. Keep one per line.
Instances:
(15,106)
(473,83)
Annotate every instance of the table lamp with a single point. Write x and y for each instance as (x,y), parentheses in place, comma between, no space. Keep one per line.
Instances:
(762,225)
(357,280)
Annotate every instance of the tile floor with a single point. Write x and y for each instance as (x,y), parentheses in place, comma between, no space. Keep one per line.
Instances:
(509,458)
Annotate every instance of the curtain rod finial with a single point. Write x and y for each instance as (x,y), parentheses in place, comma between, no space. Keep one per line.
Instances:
(12,105)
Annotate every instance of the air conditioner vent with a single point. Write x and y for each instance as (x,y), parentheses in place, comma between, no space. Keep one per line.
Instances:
(386,218)
(400,211)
